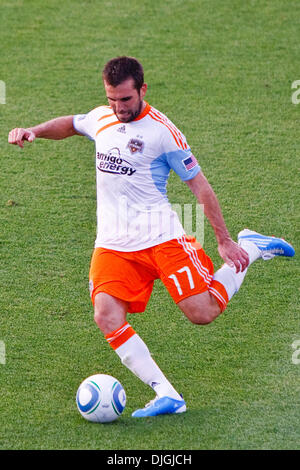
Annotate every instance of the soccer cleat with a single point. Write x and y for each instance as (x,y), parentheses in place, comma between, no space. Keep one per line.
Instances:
(268,246)
(161,406)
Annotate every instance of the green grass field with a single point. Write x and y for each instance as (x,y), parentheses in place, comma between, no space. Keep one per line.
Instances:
(222,71)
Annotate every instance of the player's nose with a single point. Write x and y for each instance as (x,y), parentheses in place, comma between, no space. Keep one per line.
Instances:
(120,107)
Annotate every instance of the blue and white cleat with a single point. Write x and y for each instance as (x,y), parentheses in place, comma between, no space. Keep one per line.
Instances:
(161,406)
(268,246)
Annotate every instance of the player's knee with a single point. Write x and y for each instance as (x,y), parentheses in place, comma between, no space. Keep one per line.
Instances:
(100,314)
(103,320)
(109,313)
(99,318)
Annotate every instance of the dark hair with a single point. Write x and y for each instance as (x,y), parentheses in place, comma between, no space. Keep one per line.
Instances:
(120,69)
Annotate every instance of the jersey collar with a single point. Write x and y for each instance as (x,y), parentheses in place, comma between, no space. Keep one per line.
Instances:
(144,113)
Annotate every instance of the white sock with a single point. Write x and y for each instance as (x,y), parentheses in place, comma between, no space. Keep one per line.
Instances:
(230,279)
(228,276)
(135,355)
(252,250)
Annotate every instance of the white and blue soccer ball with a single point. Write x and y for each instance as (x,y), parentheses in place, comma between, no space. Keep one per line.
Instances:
(101,398)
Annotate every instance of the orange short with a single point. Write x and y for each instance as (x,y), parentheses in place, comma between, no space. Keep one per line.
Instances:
(181,264)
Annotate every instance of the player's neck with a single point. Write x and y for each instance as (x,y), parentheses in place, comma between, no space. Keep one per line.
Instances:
(143,111)
(144,104)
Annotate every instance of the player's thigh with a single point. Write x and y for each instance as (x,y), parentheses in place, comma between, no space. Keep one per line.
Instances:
(109,312)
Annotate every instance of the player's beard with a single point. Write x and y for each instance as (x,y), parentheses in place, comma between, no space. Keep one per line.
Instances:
(131,114)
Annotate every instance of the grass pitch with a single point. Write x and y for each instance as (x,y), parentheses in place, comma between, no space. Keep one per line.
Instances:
(222,71)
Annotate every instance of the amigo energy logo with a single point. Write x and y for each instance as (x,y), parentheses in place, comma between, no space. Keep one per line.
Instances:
(111,162)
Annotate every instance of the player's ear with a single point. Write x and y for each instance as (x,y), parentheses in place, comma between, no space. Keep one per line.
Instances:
(143,90)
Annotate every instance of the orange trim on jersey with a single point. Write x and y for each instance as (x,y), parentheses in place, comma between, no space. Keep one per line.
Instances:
(107,126)
(174,131)
(165,124)
(106,116)
(168,123)
(144,113)
(120,336)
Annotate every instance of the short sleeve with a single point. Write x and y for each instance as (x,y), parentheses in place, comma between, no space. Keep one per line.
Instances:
(178,154)
(83,125)
(183,163)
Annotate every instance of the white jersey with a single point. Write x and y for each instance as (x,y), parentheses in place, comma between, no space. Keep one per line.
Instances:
(133,163)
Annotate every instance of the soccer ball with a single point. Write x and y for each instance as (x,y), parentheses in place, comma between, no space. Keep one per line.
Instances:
(101,398)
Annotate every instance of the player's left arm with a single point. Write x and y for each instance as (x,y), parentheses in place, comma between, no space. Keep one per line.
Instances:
(55,129)
(229,250)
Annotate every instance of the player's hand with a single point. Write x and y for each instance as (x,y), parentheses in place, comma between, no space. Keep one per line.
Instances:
(233,255)
(19,135)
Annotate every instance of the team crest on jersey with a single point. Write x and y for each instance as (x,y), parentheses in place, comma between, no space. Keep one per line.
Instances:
(135,145)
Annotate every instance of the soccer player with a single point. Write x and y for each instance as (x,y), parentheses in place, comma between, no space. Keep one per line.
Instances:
(139,236)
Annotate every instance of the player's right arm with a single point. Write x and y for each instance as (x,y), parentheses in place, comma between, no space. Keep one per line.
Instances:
(56,129)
